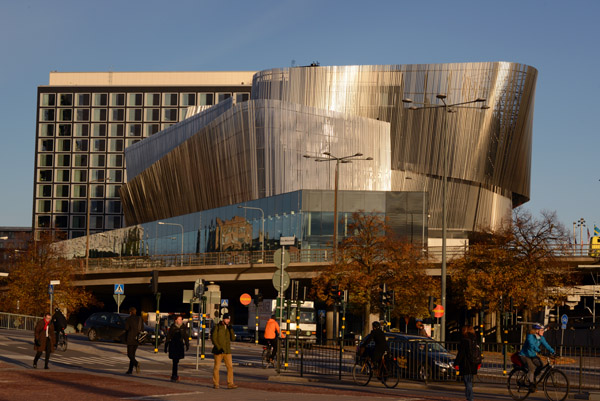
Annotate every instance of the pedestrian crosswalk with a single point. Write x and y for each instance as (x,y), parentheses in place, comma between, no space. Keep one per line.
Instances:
(89,361)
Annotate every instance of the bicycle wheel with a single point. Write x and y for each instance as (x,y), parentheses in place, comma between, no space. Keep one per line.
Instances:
(62,342)
(362,373)
(389,373)
(266,354)
(518,385)
(556,385)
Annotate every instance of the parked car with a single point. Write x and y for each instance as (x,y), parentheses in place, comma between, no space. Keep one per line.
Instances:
(195,328)
(421,357)
(242,333)
(111,326)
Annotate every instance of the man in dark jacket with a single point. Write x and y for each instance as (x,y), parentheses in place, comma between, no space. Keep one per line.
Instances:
(59,321)
(222,336)
(176,339)
(378,337)
(464,360)
(133,325)
(43,339)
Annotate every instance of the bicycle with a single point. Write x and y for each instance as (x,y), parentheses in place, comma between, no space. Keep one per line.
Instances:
(387,371)
(62,342)
(266,356)
(555,382)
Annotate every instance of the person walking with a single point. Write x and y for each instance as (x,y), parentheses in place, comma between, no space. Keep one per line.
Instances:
(44,340)
(133,325)
(272,331)
(465,359)
(59,321)
(221,337)
(177,338)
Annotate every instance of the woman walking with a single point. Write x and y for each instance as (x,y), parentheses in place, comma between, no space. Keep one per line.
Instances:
(177,338)
(466,360)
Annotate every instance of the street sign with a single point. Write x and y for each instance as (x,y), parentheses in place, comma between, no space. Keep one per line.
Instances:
(563,320)
(119,300)
(188,296)
(280,262)
(277,280)
(438,311)
(224,311)
(50,289)
(224,303)
(245,299)
(119,289)
(287,241)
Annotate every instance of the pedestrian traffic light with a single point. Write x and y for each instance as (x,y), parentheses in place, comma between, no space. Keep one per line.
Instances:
(154,281)
(258,298)
(199,288)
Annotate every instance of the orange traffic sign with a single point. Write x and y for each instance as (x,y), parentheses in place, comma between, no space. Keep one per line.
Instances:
(245,299)
(438,311)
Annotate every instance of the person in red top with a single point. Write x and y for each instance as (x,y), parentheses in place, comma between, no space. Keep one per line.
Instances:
(272,331)
(43,339)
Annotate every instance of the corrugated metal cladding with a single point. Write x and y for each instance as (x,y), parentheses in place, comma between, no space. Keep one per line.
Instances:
(255,149)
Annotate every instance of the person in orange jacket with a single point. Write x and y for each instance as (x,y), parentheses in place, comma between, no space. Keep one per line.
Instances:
(272,331)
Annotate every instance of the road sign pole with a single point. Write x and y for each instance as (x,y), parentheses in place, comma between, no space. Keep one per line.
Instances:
(280,310)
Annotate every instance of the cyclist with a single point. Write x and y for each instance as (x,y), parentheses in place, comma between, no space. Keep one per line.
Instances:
(529,352)
(60,323)
(378,337)
(272,331)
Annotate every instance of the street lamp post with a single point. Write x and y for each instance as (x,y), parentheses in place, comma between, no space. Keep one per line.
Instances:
(448,108)
(581,224)
(87,223)
(181,226)
(344,159)
(262,242)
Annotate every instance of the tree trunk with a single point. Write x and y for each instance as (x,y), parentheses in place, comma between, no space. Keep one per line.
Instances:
(366,318)
(499,327)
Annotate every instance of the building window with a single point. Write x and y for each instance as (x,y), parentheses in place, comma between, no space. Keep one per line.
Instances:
(117,114)
(63,160)
(43,221)
(113,222)
(98,114)
(78,206)
(82,115)
(96,222)
(82,130)
(151,129)
(113,191)
(99,145)
(115,175)
(115,160)
(135,99)
(115,145)
(113,206)
(61,191)
(242,97)
(78,222)
(134,130)
(47,145)
(117,99)
(100,99)
(65,114)
(64,145)
(44,175)
(152,115)
(44,206)
(47,115)
(152,99)
(131,142)
(98,129)
(134,115)
(80,160)
(169,99)
(61,206)
(44,191)
(79,191)
(45,160)
(82,99)
(64,129)
(62,175)
(98,161)
(46,129)
(97,206)
(79,175)
(116,129)
(182,114)
(97,191)
(188,99)
(169,114)
(223,96)
(61,222)
(81,145)
(48,99)
(97,175)
(66,99)
(206,99)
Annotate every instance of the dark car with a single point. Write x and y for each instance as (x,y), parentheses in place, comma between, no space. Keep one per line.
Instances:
(242,333)
(111,326)
(421,357)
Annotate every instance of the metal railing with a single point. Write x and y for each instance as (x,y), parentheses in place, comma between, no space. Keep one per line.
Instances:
(13,321)
(259,257)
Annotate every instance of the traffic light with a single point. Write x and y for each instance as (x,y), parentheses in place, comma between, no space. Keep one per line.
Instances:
(258,298)
(391,298)
(199,288)
(431,304)
(154,281)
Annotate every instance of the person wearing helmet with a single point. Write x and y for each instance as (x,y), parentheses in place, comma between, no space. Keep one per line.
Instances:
(59,321)
(530,349)
(378,337)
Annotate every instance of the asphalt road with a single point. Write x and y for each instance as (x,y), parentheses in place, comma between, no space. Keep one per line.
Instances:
(95,371)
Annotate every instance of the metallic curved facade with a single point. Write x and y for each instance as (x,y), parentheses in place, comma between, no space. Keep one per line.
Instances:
(254,149)
(489,151)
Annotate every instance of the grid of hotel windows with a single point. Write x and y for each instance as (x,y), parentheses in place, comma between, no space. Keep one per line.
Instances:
(81,138)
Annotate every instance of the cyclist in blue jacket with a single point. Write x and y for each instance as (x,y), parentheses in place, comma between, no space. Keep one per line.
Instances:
(530,349)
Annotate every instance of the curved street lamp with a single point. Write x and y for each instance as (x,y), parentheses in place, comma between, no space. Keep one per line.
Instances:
(262,242)
(344,159)
(448,108)
(181,226)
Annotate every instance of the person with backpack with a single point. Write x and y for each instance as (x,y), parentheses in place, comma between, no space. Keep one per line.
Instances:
(468,359)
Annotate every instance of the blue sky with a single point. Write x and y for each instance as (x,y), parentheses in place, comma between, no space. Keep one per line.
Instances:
(559,38)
